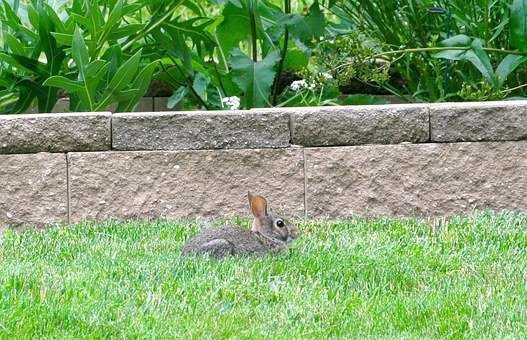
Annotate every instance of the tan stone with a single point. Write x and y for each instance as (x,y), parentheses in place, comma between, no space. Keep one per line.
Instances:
(357,125)
(62,105)
(55,132)
(160,104)
(416,180)
(146,104)
(183,184)
(200,130)
(482,121)
(33,190)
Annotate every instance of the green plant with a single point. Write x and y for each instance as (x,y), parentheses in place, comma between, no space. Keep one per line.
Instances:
(95,88)
(84,54)
(24,70)
(410,30)
(352,57)
(479,58)
(254,43)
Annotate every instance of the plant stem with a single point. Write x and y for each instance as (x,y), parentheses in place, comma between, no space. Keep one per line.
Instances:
(223,59)
(436,49)
(220,82)
(514,88)
(252,17)
(289,100)
(287,10)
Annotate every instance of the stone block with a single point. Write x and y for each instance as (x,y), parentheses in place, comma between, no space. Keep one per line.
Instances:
(160,104)
(183,184)
(416,180)
(482,121)
(55,132)
(357,125)
(33,190)
(146,104)
(200,130)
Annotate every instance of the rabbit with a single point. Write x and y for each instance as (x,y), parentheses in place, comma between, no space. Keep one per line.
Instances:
(269,234)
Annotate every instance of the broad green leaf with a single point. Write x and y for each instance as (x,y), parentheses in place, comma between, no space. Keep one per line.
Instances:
(80,53)
(156,20)
(54,57)
(200,85)
(24,62)
(95,19)
(457,40)
(254,79)
(450,54)
(112,22)
(518,26)
(7,99)
(81,57)
(95,72)
(125,73)
(499,29)
(315,20)
(54,18)
(125,31)
(32,16)
(307,30)
(295,60)
(26,97)
(63,83)
(126,95)
(39,91)
(177,96)
(14,44)
(141,83)
(477,56)
(507,66)
(13,20)
(114,17)
(480,59)
(234,28)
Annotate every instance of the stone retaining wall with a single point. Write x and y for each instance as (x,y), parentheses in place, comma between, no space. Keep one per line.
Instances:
(391,160)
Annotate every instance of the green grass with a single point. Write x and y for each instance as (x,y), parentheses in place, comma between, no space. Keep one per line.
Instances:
(340,279)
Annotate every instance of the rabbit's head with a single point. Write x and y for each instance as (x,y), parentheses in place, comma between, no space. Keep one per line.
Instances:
(268,224)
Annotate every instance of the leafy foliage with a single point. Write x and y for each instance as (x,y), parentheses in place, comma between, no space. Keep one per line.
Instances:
(487,40)
(104,53)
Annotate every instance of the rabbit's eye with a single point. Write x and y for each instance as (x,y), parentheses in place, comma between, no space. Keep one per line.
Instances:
(280,223)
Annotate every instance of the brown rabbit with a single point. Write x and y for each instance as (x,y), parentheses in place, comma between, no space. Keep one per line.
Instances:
(269,234)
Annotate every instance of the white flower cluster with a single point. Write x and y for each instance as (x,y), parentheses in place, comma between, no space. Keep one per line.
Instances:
(326,75)
(298,85)
(232,102)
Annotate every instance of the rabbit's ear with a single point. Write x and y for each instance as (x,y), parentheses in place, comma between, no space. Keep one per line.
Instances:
(258,205)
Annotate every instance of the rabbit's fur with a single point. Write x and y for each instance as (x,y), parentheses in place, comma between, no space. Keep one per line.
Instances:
(268,234)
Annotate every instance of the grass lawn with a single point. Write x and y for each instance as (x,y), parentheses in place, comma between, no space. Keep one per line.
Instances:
(340,279)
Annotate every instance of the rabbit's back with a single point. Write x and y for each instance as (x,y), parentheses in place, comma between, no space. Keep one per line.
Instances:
(224,241)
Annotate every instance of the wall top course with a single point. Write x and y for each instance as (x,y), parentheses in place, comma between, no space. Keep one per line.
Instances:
(54,115)
(480,105)
(480,121)
(200,130)
(62,132)
(265,127)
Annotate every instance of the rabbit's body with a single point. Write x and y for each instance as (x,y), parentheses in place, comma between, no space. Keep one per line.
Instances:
(228,240)
(269,234)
